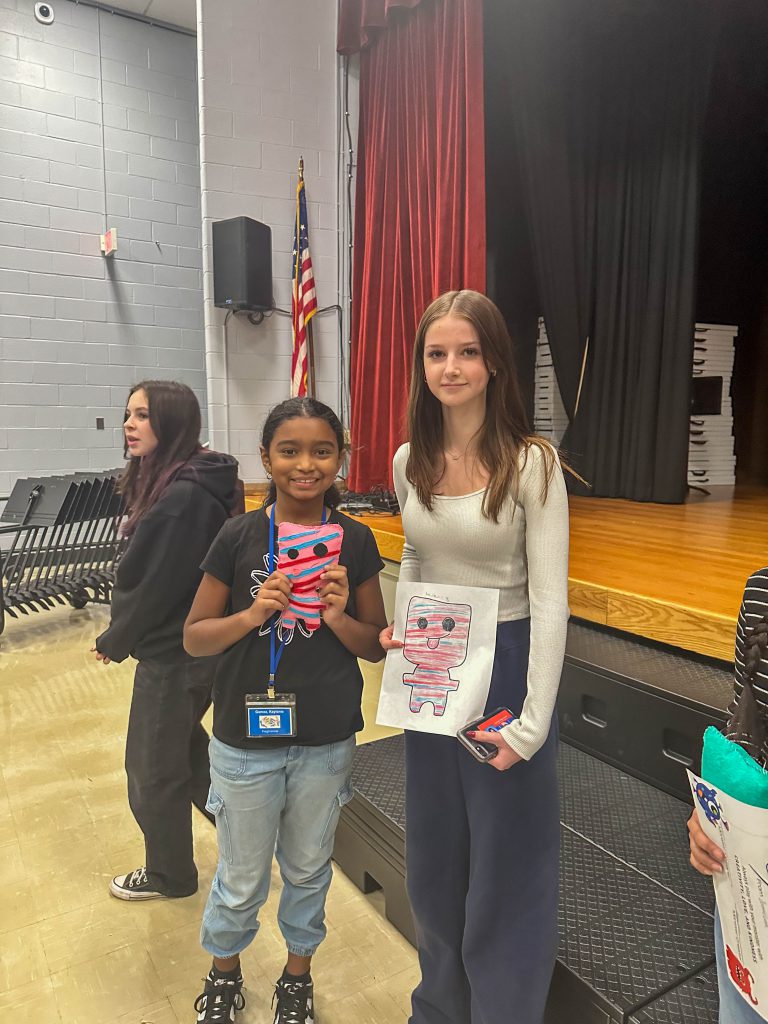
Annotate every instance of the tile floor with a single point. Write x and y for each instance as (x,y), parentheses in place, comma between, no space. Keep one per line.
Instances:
(71,953)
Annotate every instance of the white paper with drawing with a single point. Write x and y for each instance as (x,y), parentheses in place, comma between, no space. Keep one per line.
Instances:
(440,679)
(741,890)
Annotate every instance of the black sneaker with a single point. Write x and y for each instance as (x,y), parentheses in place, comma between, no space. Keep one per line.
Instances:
(294,1000)
(134,886)
(220,999)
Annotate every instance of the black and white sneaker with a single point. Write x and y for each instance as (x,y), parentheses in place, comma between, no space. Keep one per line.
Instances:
(294,1000)
(134,886)
(221,998)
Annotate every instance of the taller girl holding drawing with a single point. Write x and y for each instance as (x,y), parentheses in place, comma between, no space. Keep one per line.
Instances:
(484,505)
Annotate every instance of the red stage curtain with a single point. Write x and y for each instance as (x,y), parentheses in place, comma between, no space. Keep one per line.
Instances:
(361,20)
(419,207)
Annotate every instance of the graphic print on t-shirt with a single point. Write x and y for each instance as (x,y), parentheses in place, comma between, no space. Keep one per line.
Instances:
(322,673)
(303,554)
(436,640)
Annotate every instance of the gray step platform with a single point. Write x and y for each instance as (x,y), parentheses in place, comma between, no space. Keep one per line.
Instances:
(694,1000)
(636,939)
(639,705)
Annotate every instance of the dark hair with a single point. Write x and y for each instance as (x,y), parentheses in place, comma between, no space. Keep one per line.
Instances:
(756,646)
(308,409)
(747,724)
(174,415)
(505,433)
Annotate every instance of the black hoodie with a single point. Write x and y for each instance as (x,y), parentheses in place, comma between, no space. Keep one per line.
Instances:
(159,573)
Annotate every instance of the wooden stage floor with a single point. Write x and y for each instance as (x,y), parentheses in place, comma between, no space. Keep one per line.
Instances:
(672,573)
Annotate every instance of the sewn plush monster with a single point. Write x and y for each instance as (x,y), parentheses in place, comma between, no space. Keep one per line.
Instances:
(436,640)
(304,553)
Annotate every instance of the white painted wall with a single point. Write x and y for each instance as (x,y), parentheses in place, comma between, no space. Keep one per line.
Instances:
(269,91)
(77,330)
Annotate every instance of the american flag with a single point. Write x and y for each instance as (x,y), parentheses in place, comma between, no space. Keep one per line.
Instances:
(303,299)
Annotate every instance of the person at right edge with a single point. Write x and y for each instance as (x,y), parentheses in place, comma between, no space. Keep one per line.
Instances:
(736,762)
(484,505)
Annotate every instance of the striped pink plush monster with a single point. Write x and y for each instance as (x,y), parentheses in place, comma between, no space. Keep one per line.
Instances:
(304,553)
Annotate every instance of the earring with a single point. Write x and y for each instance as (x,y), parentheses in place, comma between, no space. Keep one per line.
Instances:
(493,373)
(269,475)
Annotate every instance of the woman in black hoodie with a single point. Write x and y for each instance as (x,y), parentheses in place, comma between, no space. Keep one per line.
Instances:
(177,496)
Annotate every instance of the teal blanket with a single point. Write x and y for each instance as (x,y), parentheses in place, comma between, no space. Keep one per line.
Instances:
(727,766)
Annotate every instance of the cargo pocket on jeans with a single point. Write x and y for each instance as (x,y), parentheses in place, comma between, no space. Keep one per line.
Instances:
(215,806)
(340,755)
(344,795)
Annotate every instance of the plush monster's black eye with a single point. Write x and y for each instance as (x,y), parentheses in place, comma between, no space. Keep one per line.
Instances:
(422,623)
(448,624)
(292,553)
(320,550)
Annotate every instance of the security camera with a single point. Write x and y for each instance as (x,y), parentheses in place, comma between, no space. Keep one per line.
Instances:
(44,14)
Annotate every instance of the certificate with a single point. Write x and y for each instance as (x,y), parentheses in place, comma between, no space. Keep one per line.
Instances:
(741,890)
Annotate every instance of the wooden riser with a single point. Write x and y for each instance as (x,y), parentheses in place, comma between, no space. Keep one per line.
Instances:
(670,573)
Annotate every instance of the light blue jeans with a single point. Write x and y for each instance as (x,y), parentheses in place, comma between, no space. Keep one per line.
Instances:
(733,1008)
(285,801)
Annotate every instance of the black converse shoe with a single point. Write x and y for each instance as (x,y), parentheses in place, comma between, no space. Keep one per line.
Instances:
(221,997)
(294,1000)
(134,886)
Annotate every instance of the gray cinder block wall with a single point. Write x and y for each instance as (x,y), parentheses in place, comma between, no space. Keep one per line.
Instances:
(75,329)
(269,94)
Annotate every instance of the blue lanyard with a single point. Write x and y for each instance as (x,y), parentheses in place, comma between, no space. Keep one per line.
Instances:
(275,655)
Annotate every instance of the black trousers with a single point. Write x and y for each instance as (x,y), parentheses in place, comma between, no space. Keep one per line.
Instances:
(166,761)
(482,850)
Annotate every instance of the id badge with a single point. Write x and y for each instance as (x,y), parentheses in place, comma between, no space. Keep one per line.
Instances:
(270,717)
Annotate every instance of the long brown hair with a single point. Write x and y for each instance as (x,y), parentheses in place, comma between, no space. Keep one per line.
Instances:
(174,415)
(505,435)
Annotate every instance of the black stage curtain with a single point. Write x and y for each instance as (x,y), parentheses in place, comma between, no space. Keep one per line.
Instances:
(605,100)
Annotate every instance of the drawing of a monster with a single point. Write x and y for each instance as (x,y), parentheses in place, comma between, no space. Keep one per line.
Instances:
(436,640)
(708,800)
(741,976)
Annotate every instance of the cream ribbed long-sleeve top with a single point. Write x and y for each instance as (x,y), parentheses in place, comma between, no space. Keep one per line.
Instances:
(524,556)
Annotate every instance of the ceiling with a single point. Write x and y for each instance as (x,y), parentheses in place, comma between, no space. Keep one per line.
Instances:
(175,12)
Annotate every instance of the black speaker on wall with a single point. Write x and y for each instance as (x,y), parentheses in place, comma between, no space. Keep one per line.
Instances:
(242,264)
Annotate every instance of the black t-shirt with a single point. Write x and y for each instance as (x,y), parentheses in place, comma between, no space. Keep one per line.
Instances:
(316,666)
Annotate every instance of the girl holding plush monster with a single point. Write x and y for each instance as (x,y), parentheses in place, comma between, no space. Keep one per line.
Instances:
(290,596)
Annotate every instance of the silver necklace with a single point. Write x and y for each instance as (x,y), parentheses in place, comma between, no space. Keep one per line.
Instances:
(456,458)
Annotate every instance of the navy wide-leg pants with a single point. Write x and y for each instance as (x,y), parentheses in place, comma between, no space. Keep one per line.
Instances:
(482,850)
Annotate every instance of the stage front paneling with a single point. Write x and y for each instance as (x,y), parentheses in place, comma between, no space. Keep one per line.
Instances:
(671,573)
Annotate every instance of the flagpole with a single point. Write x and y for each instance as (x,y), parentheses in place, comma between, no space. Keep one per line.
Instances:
(295,284)
(311,382)
(303,299)
(311,385)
